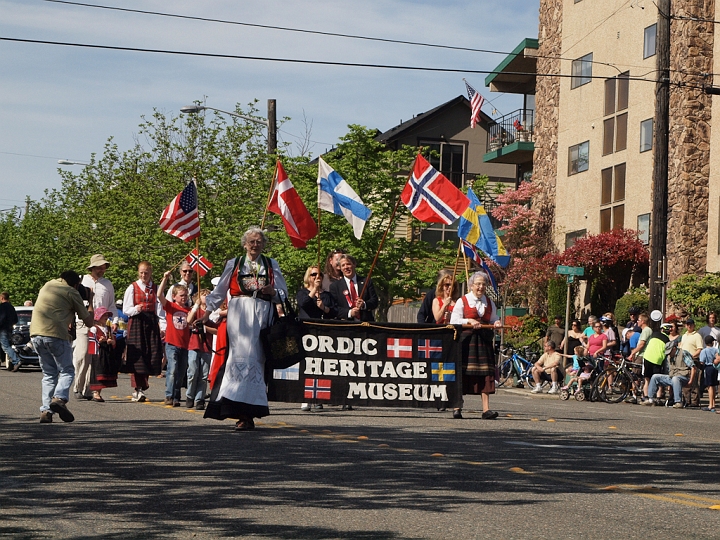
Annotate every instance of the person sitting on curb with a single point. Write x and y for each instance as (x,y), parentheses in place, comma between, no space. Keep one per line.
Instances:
(682,370)
(549,364)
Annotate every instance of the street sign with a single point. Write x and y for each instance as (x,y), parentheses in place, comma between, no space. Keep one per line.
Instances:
(571,270)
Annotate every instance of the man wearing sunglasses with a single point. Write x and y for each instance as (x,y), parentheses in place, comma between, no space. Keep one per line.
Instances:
(187,279)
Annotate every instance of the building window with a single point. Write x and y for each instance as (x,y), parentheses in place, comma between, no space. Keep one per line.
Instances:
(571,238)
(581,71)
(439,232)
(612,191)
(646,135)
(615,127)
(643,225)
(649,43)
(449,159)
(579,158)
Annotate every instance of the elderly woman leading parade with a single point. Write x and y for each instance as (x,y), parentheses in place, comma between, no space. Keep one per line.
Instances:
(477,310)
(254,284)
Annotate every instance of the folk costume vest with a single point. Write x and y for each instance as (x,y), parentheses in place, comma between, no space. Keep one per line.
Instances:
(147,299)
(474,365)
(251,284)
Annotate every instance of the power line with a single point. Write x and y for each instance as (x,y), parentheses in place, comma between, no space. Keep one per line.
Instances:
(271,27)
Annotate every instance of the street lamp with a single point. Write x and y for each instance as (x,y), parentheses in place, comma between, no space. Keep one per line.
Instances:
(68,162)
(270,123)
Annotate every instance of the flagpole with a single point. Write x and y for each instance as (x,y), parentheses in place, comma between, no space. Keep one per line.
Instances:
(467,277)
(382,242)
(267,204)
(318,234)
(197,270)
(457,258)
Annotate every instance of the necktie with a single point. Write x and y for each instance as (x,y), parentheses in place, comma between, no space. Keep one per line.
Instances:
(353,292)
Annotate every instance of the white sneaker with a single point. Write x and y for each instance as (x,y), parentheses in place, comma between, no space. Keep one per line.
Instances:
(141,397)
(537,389)
(135,396)
(554,389)
(305,407)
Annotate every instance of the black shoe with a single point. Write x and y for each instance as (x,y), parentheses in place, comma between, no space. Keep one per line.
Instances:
(457,414)
(189,403)
(16,367)
(489,415)
(199,405)
(346,408)
(245,425)
(58,406)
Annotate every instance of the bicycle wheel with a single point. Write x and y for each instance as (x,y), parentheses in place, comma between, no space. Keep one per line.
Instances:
(505,372)
(616,391)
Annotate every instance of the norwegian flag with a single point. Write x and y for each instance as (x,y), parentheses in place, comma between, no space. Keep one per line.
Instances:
(476,103)
(198,263)
(471,251)
(517,124)
(93,343)
(430,348)
(286,202)
(317,388)
(180,218)
(399,348)
(431,197)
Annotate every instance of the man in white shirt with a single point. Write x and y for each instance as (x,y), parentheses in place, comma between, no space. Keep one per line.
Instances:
(103,296)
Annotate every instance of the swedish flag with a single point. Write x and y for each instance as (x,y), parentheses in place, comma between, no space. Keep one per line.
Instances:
(475,228)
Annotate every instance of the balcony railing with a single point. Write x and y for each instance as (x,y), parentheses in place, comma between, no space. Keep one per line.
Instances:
(518,126)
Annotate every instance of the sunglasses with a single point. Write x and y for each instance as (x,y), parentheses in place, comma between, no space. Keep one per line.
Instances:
(598,326)
(186,271)
(314,274)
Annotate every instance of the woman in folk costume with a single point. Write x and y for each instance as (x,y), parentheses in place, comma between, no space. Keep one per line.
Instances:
(478,353)
(101,347)
(255,284)
(143,346)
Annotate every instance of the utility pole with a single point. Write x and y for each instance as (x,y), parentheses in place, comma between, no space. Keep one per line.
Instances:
(658,227)
(272,127)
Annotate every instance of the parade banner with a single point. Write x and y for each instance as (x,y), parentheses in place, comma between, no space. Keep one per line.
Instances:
(377,365)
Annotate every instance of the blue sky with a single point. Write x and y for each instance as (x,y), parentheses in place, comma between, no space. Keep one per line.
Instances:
(65,102)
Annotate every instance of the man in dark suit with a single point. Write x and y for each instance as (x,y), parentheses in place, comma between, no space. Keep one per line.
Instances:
(347,293)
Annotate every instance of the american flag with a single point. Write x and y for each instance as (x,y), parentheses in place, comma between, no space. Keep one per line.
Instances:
(476,103)
(180,218)
(198,263)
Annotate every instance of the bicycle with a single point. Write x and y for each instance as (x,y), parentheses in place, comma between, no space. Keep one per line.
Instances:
(514,365)
(615,382)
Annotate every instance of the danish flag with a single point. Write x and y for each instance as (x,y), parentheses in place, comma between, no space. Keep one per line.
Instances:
(198,263)
(431,197)
(299,224)
(399,348)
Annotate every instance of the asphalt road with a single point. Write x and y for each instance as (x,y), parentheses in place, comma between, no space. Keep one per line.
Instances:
(545,468)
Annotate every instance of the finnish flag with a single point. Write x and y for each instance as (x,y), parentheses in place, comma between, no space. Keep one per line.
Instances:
(335,195)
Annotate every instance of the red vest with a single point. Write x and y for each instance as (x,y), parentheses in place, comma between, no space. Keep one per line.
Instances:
(472,313)
(145,299)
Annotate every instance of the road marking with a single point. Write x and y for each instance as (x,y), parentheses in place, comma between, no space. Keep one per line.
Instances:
(631,449)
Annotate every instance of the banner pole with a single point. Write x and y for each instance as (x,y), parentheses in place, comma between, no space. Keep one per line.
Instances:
(267,204)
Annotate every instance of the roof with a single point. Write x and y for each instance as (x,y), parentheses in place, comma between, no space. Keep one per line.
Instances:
(420,118)
(516,74)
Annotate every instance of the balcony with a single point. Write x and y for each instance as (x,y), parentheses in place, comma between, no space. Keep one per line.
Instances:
(512,138)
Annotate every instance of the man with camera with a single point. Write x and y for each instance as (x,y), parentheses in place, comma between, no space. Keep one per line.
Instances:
(57,303)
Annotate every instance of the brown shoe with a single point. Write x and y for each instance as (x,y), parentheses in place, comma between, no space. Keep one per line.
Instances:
(16,367)
(46,417)
(168,401)
(60,406)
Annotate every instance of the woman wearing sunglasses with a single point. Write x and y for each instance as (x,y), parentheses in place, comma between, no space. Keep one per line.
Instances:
(313,301)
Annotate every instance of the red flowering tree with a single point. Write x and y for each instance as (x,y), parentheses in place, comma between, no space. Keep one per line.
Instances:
(611,261)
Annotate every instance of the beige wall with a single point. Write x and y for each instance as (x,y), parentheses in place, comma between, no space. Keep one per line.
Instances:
(713,259)
(614,33)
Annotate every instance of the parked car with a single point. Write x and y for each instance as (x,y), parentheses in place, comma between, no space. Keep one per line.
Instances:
(20,339)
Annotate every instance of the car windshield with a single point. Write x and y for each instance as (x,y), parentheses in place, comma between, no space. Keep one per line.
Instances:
(24,317)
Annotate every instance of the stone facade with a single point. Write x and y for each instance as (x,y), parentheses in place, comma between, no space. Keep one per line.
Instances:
(547,102)
(691,50)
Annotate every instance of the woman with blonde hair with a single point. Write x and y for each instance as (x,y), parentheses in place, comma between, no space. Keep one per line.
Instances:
(447,291)
(314,302)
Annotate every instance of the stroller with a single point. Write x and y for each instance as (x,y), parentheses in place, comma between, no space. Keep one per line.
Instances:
(581,389)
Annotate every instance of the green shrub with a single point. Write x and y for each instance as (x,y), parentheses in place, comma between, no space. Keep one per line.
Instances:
(698,295)
(637,297)
(529,333)
(557,298)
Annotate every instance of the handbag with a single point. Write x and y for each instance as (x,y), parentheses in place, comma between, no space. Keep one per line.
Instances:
(282,340)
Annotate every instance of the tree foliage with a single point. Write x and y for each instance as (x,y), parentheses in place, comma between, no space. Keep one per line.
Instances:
(113,205)
(696,295)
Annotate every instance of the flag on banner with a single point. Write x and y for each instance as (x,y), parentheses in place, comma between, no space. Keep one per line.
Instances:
(476,103)
(399,348)
(180,218)
(442,371)
(335,195)
(198,263)
(472,253)
(431,197)
(476,229)
(286,202)
(317,388)
(517,124)
(430,348)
